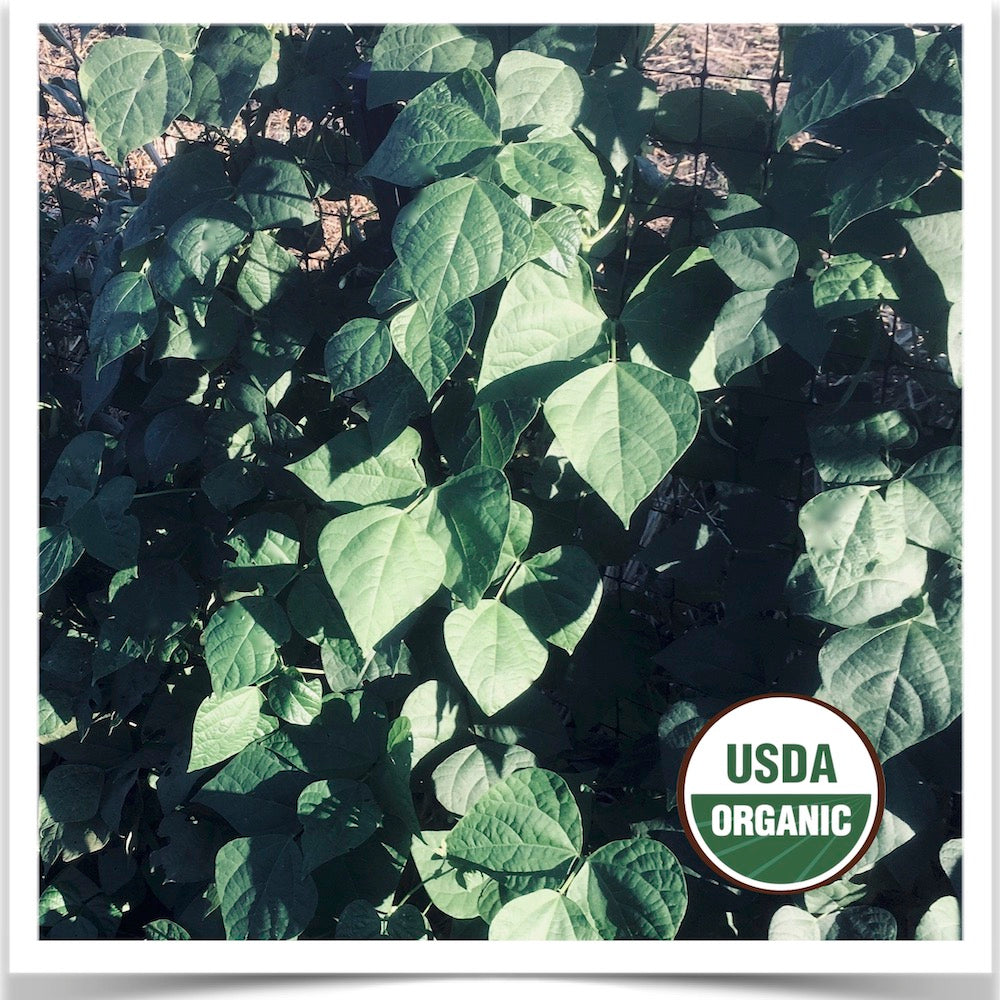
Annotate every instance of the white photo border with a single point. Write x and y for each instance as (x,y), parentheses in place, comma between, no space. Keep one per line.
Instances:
(29,954)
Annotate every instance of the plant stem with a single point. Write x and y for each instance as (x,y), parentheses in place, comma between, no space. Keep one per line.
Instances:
(587,242)
(508,578)
(163,493)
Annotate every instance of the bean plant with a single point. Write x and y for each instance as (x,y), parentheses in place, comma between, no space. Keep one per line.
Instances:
(381,597)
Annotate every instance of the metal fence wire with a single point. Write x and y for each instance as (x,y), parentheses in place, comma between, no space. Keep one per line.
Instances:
(76,181)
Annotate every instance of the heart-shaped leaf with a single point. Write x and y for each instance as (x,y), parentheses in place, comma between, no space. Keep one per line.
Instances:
(623,427)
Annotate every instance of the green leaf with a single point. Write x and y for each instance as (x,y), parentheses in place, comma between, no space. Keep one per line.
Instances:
(381,567)
(944,598)
(859,923)
(76,473)
(267,272)
(495,653)
(838,67)
(541,832)
(632,889)
(544,325)
(58,550)
(390,780)
(937,244)
(225,71)
(623,426)
(856,451)
(669,317)
(405,923)
(453,892)
(435,715)
(534,90)
(179,38)
(56,717)
(875,593)
(180,335)
(527,824)
(241,642)
(357,352)
(861,182)
(344,741)
(941,922)
(554,166)
(950,857)
(192,177)
(173,437)
(446,130)
(313,612)
(132,90)
(467,516)
(395,399)
(543,915)
(851,284)
(518,535)
(409,57)
(193,256)
(901,684)
(165,930)
(347,471)
(264,893)
(295,699)
(223,725)
(572,43)
(935,89)
(558,235)
(834,895)
(752,325)
(432,346)
(501,425)
(755,259)
(849,533)
(124,315)
(104,529)
(359,921)
(488,236)
(619,103)
(464,777)
(791,923)
(256,791)
(266,557)
(928,500)
(557,593)
(337,816)
(72,792)
(273,192)
(390,290)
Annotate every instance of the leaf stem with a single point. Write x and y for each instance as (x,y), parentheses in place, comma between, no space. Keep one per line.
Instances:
(507,579)
(163,493)
(420,496)
(396,906)
(589,241)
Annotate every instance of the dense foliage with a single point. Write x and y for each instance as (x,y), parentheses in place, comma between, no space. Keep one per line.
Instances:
(361,614)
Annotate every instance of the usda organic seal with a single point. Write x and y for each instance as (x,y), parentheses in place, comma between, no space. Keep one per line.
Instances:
(781,793)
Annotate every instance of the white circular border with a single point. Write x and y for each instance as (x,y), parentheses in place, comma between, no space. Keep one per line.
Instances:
(831,720)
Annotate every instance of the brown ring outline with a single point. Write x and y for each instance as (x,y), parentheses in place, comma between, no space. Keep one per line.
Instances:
(682,812)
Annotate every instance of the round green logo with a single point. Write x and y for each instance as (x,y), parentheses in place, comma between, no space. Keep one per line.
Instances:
(781,793)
